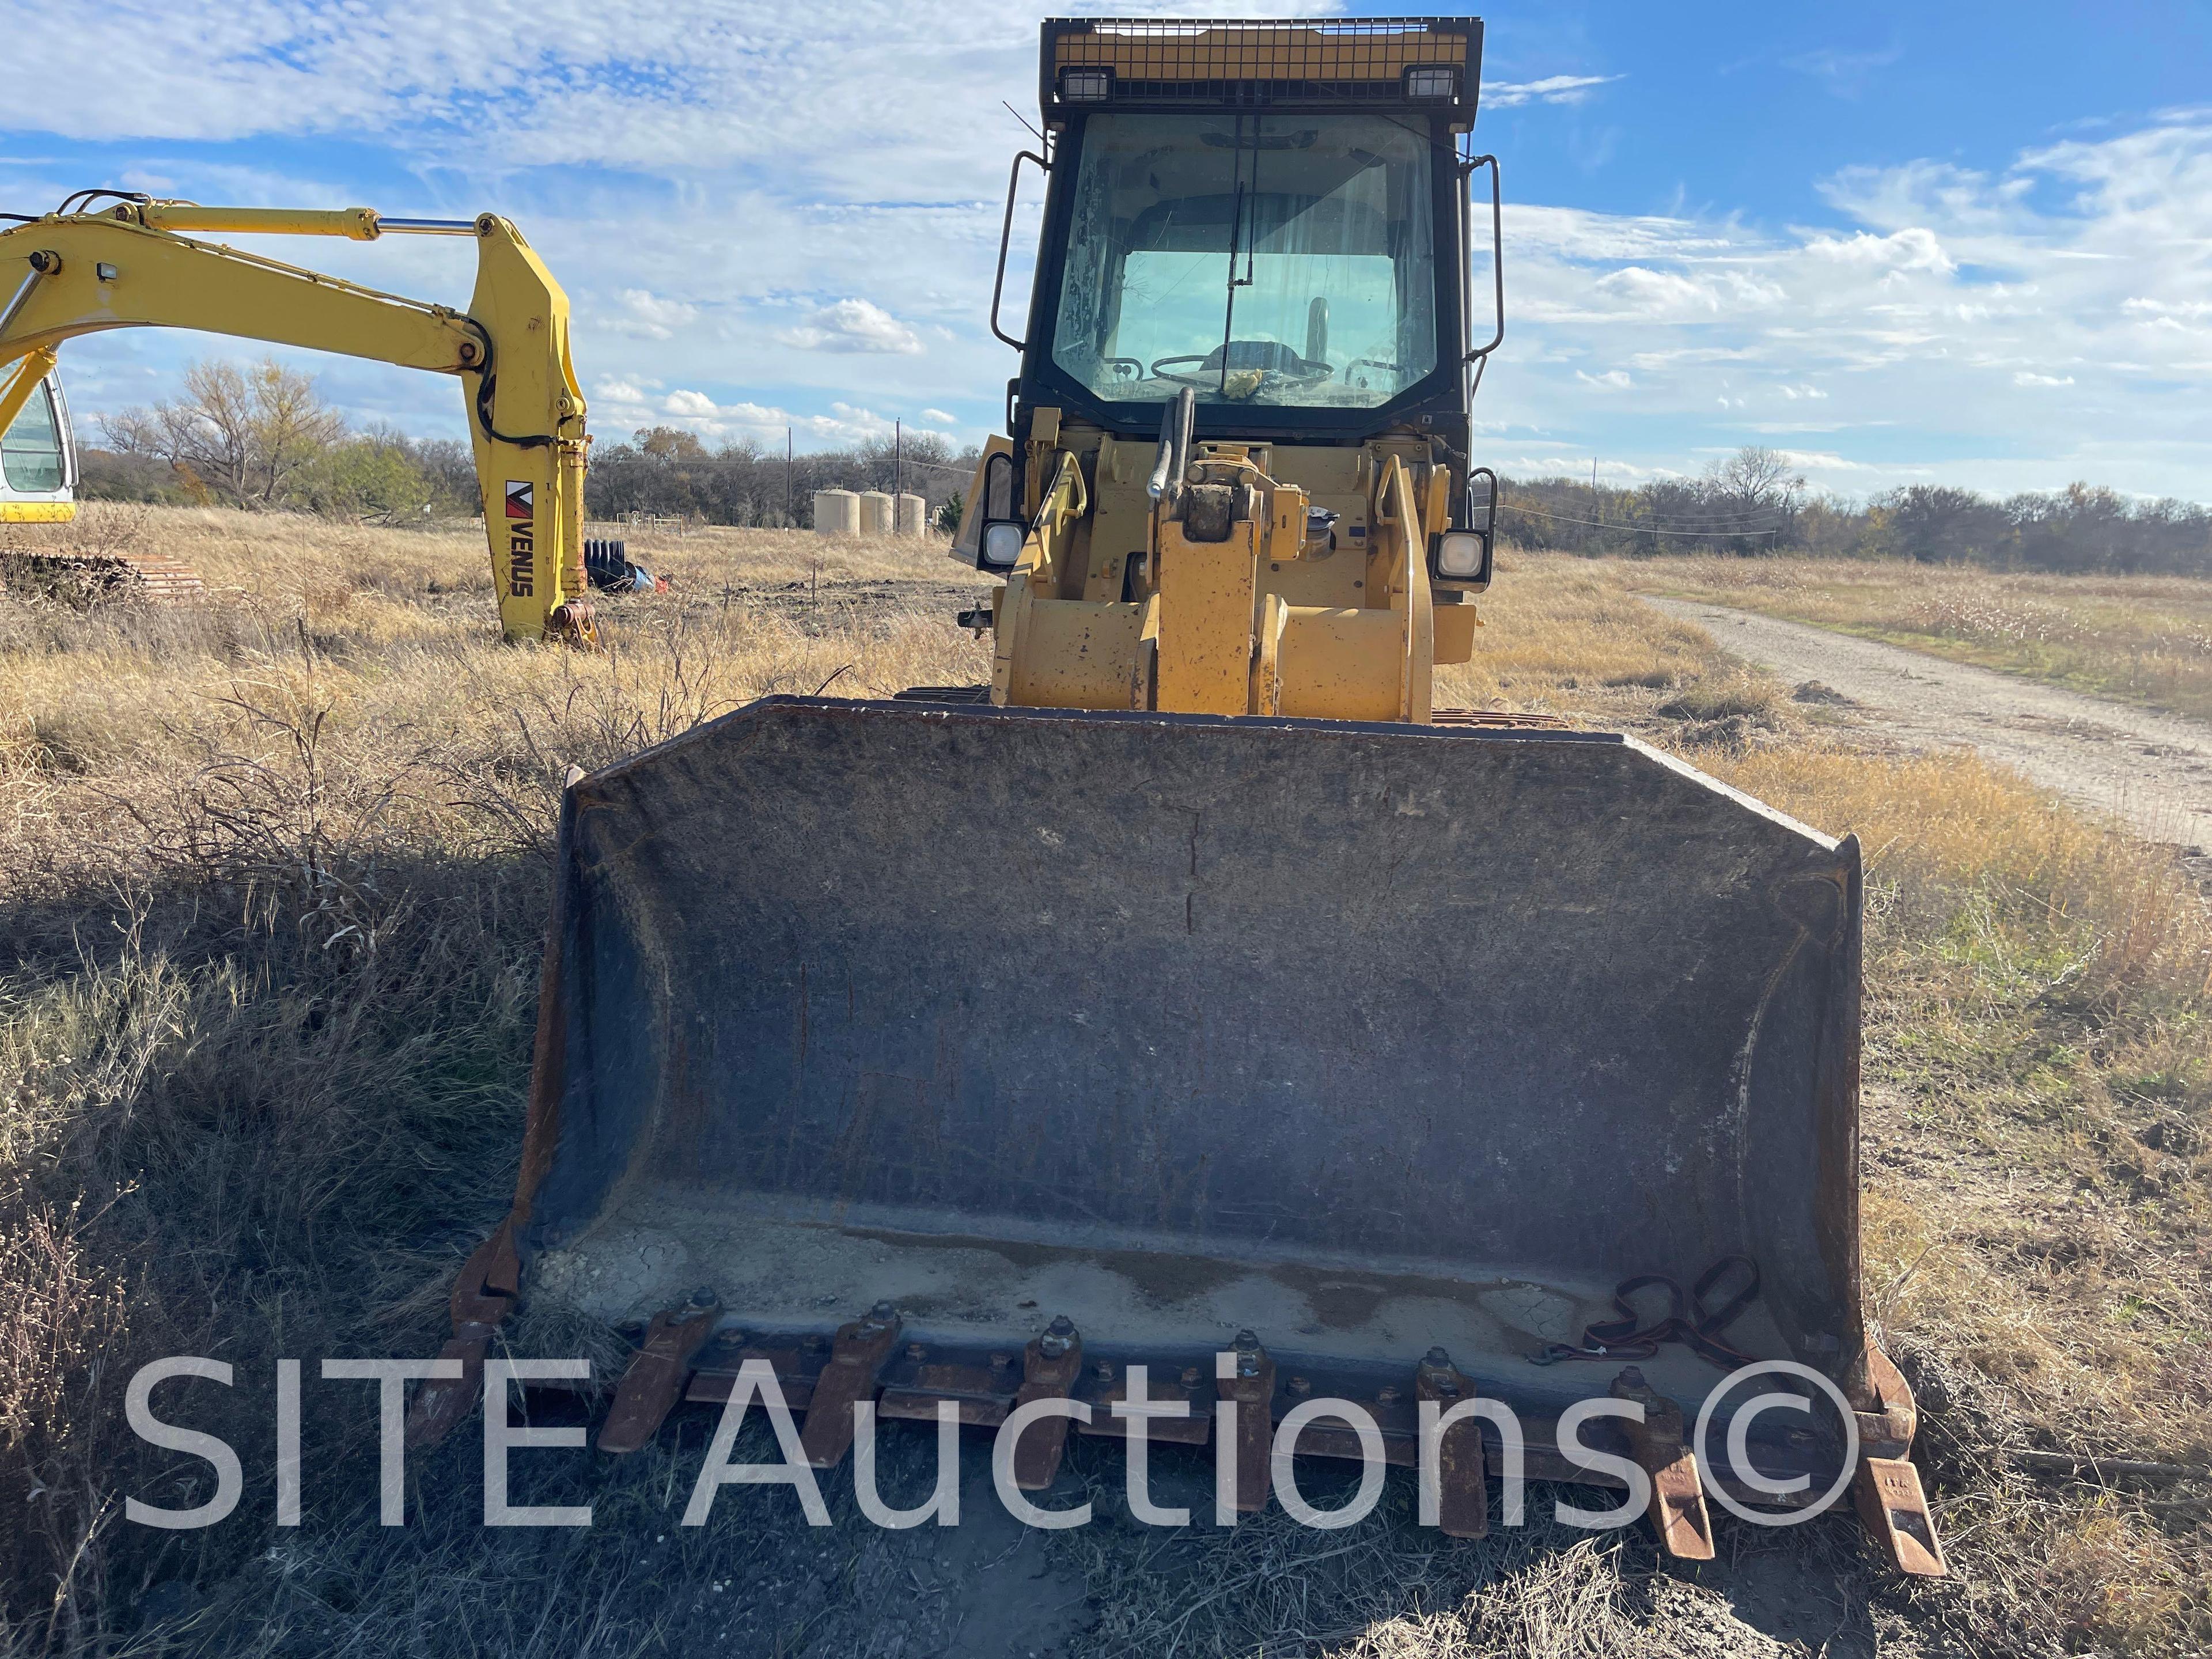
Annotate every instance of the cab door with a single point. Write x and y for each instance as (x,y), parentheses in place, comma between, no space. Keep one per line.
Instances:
(37,460)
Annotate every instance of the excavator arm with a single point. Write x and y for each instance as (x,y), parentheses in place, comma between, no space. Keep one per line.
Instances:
(131,266)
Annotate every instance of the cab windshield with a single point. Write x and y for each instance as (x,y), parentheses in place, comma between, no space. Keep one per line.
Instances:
(31,449)
(1268,259)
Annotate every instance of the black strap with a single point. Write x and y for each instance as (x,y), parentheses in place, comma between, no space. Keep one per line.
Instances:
(1688,1319)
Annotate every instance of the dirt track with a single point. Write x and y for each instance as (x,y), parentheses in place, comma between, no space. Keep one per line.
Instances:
(2154,770)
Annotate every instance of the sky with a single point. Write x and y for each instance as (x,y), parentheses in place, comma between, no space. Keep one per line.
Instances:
(1967,244)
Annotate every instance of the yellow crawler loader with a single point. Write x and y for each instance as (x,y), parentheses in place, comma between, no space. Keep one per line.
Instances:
(1198,996)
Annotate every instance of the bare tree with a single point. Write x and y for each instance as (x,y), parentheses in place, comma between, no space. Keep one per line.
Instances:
(1756,477)
(244,433)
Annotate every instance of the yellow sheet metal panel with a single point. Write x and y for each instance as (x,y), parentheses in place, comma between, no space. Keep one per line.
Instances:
(1206,622)
(1455,632)
(1075,655)
(37,512)
(1121,520)
(1341,664)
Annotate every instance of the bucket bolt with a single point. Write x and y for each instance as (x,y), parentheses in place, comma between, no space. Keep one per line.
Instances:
(1058,1337)
(1248,1355)
(1438,1378)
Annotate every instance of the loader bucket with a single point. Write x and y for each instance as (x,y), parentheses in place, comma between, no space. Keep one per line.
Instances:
(1363,1040)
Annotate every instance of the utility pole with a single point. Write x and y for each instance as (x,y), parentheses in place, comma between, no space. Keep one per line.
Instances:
(898,463)
(1593,475)
(790,500)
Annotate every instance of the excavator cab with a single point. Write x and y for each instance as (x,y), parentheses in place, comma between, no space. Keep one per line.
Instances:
(1198,1000)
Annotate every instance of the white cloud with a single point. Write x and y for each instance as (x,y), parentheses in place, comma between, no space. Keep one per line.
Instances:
(1881,318)
(1551,89)
(1613,380)
(851,325)
(1912,249)
(646,316)
(940,417)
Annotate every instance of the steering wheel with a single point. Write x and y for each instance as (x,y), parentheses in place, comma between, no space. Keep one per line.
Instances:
(1161,372)
(1306,373)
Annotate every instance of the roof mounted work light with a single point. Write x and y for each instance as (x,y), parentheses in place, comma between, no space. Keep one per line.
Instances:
(1086,86)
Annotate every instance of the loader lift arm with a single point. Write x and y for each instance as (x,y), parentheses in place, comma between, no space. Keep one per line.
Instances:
(129,266)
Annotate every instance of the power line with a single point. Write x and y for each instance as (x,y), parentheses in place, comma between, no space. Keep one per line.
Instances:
(1642,529)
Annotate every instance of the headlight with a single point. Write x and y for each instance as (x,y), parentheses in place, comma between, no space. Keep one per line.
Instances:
(1432,81)
(1002,544)
(1459,556)
(1086,86)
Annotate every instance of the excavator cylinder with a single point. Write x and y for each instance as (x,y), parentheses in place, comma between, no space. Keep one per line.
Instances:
(1361,1040)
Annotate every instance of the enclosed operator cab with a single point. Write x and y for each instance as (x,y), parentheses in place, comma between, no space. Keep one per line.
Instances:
(1250,324)
(37,460)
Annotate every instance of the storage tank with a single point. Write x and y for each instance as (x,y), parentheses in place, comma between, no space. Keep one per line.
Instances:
(875,513)
(836,513)
(912,515)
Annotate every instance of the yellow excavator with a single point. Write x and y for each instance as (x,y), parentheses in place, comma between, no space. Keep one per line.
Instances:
(1198,996)
(108,259)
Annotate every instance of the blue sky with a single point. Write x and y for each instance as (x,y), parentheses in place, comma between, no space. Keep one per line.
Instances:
(1964,243)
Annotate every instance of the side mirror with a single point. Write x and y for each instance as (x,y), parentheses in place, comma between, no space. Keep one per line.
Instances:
(999,549)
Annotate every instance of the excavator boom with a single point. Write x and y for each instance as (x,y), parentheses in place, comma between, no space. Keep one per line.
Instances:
(132,266)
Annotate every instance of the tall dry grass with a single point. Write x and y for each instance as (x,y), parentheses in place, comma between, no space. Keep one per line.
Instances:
(271,871)
(2148,639)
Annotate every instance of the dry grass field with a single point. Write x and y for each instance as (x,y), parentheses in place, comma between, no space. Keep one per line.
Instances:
(271,887)
(2146,639)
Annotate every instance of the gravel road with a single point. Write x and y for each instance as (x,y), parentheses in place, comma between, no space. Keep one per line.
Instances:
(2154,770)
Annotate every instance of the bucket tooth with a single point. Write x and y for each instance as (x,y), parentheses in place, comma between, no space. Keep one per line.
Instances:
(857,1354)
(1462,1500)
(1677,1510)
(1894,1507)
(1050,1366)
(482,1294)
(1888,1429)
(1245,1377)
(656,1378)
